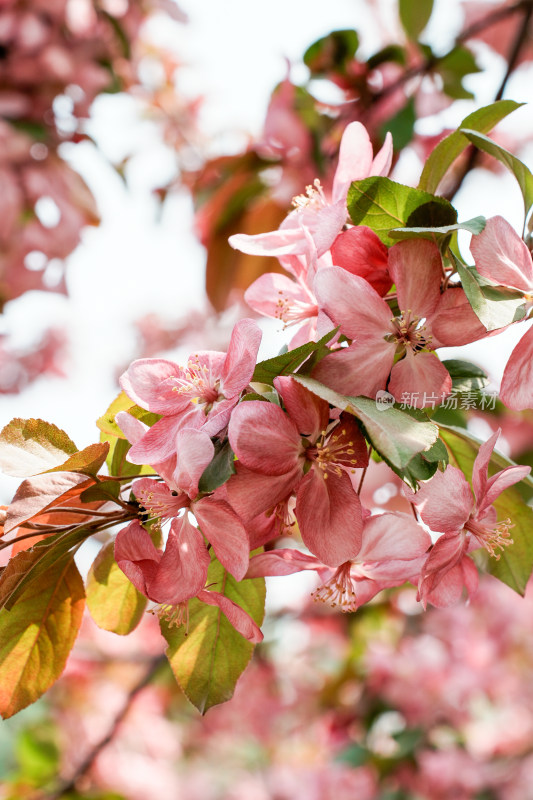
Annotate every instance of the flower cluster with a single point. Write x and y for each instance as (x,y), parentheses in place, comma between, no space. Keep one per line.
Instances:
(301,456)
(213,464)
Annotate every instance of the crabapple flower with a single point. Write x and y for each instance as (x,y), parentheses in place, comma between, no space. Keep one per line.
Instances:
(300,451)
(392,550)
(172,577)
(200,395)
(380,338)
(468,523)
(317,219)
(501,255)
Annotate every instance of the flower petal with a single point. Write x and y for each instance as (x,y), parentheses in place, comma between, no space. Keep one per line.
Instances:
(445,501)
(285,561)
(423,377)
(241,358)
(517,383)
(501,255)
(264,438)
(415,267)
(150,383)
(330,517)
(355,160)
(309,413)
(392,535)
(241,621)
(195,451)
(224,530)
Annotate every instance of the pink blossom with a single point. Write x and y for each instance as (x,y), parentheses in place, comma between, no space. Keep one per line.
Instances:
(469,522)
(317,219)
(501,255)
(200,395)
(172,577)
(378,337)
(392,548)
(299,451)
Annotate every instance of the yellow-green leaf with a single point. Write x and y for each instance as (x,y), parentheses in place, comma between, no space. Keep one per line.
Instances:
(37,635)
(208,660)
(114,602)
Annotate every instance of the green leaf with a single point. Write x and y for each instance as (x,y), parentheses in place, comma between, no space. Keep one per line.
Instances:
(424,465)
(114,602)
(495,306)
(396,436)
(208,660)
(438,235)
(414,16)
(522,174)
(516,562)
(287,363)
(37,636)
(382,204)
(332,52)
(452,68)
(402,125)
(29,565)
(445,153)
(30,446)
(219,470)
(466,377)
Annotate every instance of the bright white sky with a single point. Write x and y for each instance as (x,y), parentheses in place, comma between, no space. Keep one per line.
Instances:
(133,263)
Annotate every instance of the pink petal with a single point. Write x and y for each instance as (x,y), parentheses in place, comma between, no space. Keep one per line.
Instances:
(224,530)
(137,556)
(447,553)
(517,383)
(158,443)
(359,251)
(448,592)
(150,382)
(183,567)
(481,466)
(499,483)
(281,562)
(415,267)
(445,501)
(347,370)
(279,297)
(241,621)
(264,438)
(352,303)
(355,160)
(501,255)
(309,413)
(383,160)
(423,377)
(392,536)
(329,516)
(251,493)
(286,242)
(454,321)
(240,361)
(195,451)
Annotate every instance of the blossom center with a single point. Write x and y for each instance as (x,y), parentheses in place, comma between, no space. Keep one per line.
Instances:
(175,615)
(291,311)
(409,331)
(492,539)
(339,591)
(314,197)
(199,384)
(160,502)
(332,453)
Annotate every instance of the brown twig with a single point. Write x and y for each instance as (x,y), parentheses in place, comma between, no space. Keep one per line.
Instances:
(70,785)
